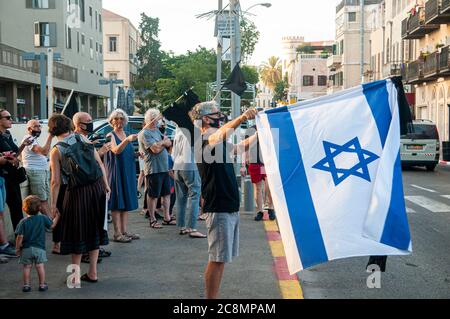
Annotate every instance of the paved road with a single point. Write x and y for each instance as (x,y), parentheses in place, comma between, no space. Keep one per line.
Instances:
(424,274)
(162,264)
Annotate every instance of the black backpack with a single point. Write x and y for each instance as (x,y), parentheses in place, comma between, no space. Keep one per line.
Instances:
(79,164)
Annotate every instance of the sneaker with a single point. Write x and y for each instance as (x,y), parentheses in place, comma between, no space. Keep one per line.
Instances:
(272,214)
(8,251)
(43,287)
(26,288)
(259,217)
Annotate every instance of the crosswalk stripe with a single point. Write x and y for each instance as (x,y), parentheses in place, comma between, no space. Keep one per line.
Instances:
(446,196)
(429,204)
(423,188)
(410,210)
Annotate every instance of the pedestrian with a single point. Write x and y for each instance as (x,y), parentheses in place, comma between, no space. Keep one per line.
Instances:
(214,157)
(30,241)
(84,126)
(187,185)
(254,164)
(121,169)
(5,248)
(84,206)
(10,172)
(154,145)
(35,161)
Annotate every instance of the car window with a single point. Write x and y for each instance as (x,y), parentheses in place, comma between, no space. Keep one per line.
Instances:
(135,127)
(104,130)
(423,131)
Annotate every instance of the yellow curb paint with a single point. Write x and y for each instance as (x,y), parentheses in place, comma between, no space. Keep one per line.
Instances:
(277,248)
(270,226)
(290,289)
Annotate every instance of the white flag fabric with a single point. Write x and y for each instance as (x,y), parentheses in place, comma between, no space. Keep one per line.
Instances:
(334,172)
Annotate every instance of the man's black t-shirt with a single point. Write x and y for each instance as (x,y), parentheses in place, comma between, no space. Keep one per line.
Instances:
(219,184)
(254,153)
(7,145)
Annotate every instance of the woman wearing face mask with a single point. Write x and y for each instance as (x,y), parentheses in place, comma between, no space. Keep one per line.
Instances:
(120,165)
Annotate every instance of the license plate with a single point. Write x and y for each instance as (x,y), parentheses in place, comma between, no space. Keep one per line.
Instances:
(414,147)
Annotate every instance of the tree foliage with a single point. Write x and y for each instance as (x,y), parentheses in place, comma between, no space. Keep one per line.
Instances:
(249,38)
(271,72)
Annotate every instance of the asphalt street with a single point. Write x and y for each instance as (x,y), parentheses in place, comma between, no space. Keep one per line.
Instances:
(424,274)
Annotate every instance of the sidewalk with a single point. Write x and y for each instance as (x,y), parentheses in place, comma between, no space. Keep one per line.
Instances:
(162,265)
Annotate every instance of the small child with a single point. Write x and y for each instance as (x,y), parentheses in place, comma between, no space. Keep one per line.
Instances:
(30,241)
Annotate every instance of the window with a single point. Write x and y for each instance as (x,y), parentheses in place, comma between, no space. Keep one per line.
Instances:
(68,38)
(90,15)
(44,34)
(322,80)
(113,76)
(100,23)
(308,80)
(112,44)
(91,46)
(40,4)
(82,11)
(352,17)
(96,20)
(83,44)
(78,42)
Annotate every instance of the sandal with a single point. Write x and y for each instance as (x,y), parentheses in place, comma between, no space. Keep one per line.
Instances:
(155,225)
(169,223)
(196,234)
(104,253)
(132,236)
(184,231)
(86,278)
(121,239)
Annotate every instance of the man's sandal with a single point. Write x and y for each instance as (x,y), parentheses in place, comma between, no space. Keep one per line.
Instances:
(121,239)
(155,225)
(132,236)
(169,223)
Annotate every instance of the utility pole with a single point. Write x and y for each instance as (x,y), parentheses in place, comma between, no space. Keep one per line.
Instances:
(362,40)
(219,60)
(235,9)
(50,81)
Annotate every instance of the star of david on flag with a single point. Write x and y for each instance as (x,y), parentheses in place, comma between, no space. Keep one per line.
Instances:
(341,174)
(334,171)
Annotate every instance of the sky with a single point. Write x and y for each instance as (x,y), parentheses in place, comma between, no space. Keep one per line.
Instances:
(182,31)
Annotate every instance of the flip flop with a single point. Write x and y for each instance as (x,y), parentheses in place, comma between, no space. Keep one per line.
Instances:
(86,278)
(197,234)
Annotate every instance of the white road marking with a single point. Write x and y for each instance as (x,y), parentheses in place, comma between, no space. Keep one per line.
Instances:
(429,204)
(446,196)
(410,210)
(423,188)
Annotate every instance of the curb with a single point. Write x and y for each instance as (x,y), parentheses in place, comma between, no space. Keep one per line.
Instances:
(289,284)
(444,163)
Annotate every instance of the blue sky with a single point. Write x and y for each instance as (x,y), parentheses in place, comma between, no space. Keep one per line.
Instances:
(181,31)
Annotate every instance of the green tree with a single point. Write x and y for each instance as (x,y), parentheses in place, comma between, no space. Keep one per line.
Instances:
(249,38)
(271,72)
(280,91)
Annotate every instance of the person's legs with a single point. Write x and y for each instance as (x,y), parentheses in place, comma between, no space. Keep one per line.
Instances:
(213,279)
(14,201)
(181,191)
(268,194)
(26,274)
(93,257)
(124,222)
(166,207)
(140,181)
(117,222)
(41,273)
(258,194)
(3,239)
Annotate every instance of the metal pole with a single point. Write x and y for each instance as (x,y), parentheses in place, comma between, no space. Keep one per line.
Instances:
(362,41)
(235,107)
(42,68)
(111,95)
(219,61)
(50,81)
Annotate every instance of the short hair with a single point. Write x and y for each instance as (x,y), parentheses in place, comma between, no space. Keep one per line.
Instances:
(118,112)
(59,124)
(202,109)
(77,117)
(151,114)
(31,205)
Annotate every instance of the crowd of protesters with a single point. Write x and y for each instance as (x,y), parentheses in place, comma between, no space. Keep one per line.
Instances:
(86,183)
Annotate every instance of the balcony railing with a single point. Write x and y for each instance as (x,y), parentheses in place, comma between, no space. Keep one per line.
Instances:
(405,24)
(334,61)
(444,61)
(12,58)
(434,13)
(445,7)
(416,26)
(431,66)
(415,72)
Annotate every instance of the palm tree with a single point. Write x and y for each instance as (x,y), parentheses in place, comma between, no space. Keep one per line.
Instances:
(271,72)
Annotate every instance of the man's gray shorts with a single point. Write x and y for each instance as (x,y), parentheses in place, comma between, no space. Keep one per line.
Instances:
(223,236)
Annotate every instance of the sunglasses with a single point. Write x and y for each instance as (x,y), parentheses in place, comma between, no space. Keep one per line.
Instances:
(118,118)
(7,117)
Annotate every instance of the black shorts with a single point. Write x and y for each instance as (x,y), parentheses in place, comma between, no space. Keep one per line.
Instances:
(158,185)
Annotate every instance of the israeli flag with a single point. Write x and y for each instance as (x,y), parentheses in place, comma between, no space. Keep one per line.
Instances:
(335,175)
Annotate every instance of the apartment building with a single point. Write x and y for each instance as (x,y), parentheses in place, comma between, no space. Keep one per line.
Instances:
(304,64)
(344,66)
(122,42)
(72,28)
(264,98)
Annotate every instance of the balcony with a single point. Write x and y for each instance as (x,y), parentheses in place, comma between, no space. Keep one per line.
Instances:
(334,61)
(414,72)
(392,69)
(444,61)
(416,28)
(436,13)
(431,66)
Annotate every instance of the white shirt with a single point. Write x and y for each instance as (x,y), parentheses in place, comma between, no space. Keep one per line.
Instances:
(33,160)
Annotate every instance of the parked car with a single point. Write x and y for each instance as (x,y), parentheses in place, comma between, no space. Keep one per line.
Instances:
(421,147)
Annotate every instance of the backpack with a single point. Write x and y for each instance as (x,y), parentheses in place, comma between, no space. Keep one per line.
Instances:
(79,164)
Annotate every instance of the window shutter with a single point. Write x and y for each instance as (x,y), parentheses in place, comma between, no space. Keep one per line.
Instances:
(53,39)
(37,34)
(51,4)
(29,4)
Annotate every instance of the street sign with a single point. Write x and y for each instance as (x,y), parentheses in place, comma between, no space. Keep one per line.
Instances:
(225,25)
(29,56)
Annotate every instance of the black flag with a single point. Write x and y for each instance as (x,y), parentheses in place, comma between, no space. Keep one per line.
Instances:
(71,107)
(236,82)
(405,110)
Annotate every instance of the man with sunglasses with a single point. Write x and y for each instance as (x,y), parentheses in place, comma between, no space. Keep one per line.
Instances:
(9,152)
(215,157)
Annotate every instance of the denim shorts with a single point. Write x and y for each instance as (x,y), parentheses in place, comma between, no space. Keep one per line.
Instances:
(223,236)
(32,255)
(39,183)
(2,195)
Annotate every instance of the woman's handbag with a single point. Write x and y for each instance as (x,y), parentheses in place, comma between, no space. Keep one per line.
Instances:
(17,174)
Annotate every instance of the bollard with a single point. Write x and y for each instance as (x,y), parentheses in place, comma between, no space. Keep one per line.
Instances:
(249,202)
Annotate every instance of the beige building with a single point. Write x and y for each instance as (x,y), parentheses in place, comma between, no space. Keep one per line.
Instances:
(122,41)
(306,72)
(72,28)
(264,98)
(344,66)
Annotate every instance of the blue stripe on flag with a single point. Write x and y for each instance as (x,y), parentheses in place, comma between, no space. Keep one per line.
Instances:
(396,228)
(378,98)
(305,224)
(277,110)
